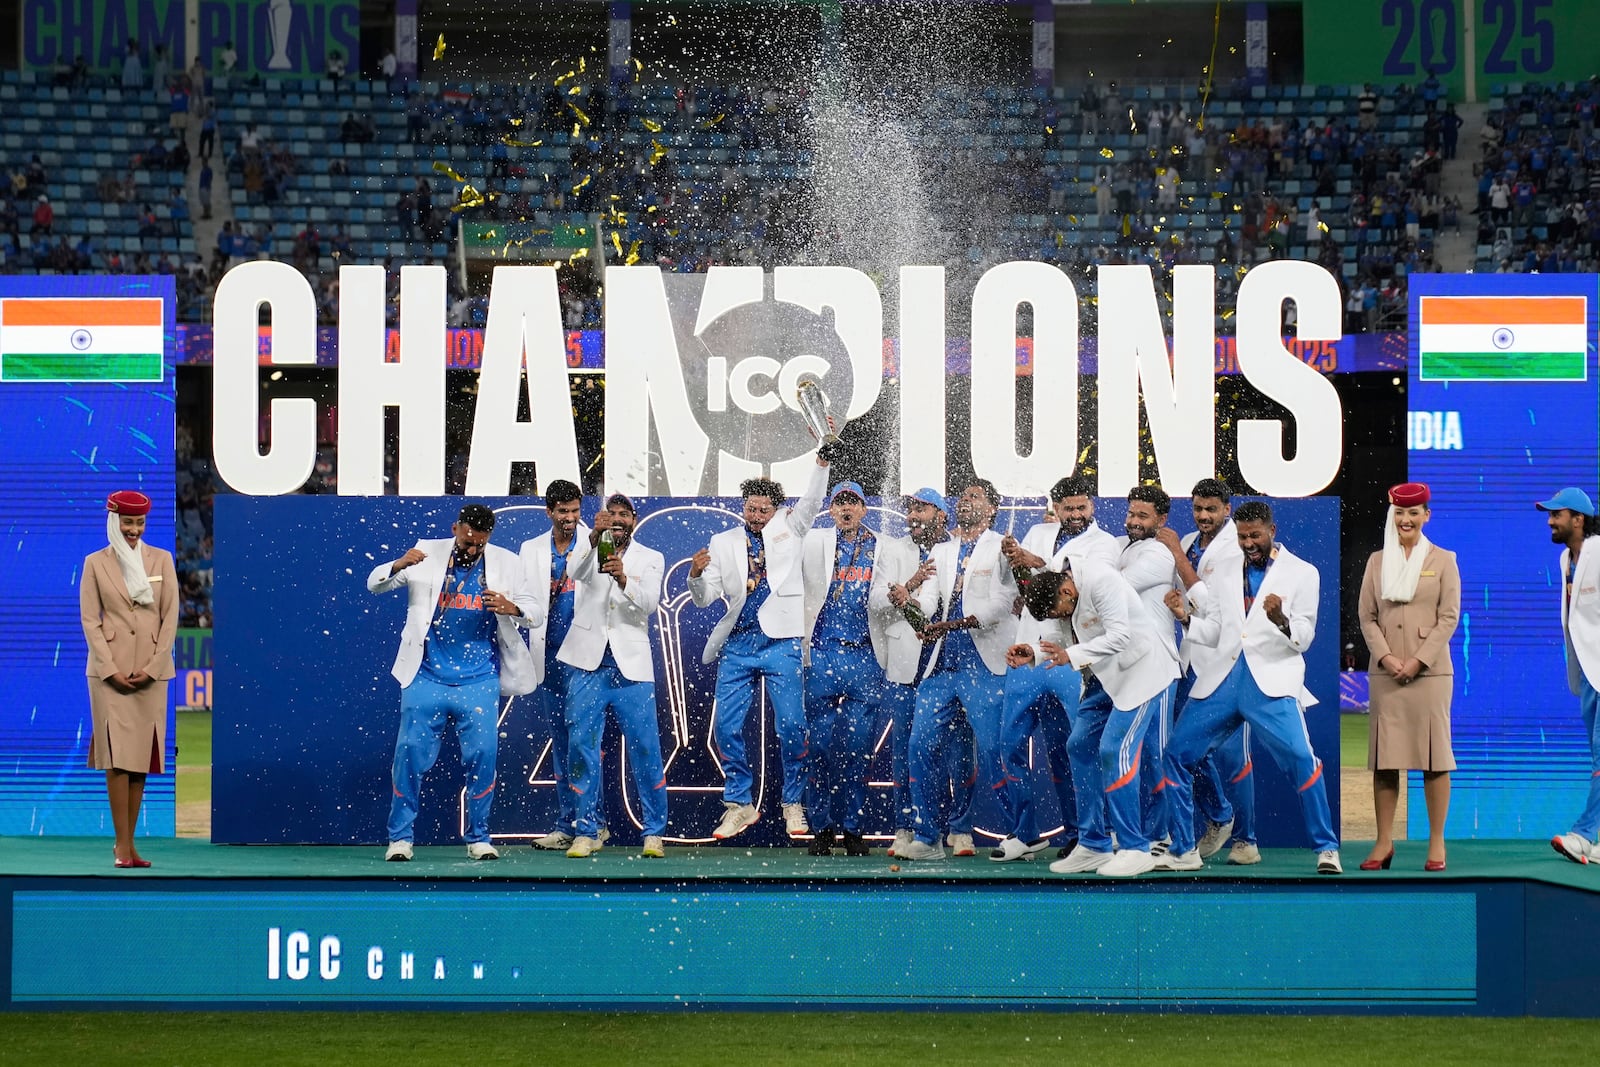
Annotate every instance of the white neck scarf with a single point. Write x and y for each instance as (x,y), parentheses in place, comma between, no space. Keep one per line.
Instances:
(1400,572)
(128,559)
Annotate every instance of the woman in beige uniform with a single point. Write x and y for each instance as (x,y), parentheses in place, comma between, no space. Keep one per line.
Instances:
(1410,603)
(129,604)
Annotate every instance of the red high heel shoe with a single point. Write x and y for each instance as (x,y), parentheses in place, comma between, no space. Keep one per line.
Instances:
(1378,865)
(1433,865)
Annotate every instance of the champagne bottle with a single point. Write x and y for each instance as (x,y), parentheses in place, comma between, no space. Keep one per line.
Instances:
(914,615)
(607,547)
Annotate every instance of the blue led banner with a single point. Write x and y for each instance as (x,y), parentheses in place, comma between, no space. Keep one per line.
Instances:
(79,424)
(306,708)
(1502,414)
(597,945)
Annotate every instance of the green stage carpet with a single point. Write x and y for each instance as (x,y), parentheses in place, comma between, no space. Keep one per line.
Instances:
(191,858)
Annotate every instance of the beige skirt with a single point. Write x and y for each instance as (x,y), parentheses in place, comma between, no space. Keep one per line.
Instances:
(1409,728)
(130,729)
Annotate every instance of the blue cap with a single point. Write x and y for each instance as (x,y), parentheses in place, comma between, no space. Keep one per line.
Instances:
(1569,499)
(931,496)
(847,487)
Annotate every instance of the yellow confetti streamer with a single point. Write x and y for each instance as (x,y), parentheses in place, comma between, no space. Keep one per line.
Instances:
(576,129)
(564,77)
(616,242)
(712,122)
(578,111)
(587,178)
(520,144)
(579,254)
(651,124)
(448,171)
(633,254)
(438,49)
(657,153)
(1107,153)
(515,122)
(575,90)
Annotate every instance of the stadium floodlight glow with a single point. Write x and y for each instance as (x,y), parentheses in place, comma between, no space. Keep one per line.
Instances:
(660,419)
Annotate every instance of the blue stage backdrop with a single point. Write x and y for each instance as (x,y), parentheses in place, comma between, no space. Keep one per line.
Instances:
(1502,414)
(83,416)
(306,711)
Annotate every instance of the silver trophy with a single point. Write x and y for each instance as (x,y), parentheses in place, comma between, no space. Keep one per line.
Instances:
(816,409)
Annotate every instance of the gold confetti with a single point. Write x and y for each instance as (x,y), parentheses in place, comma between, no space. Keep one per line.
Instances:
(633,254)
(712,122)
(520,144)
(657,153)
(448,171)
(1107,153)
(1323,226)
(587,178)
(438,49)
(1084,454)
(575,90)
(578,111)
(576,128)
(564,77)
(1049,129)
(616,242)
(470,198)
(515,122)
(651,124)
(579,254)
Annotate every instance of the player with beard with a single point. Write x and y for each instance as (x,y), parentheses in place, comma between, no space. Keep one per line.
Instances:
(1225,790)
(755,569)
(906,568)
(846,650)
(1260,614)
(547,561)
(1038,699)
(1572,523)
(608,650)
(1152,561)
(460,651)
(969,595)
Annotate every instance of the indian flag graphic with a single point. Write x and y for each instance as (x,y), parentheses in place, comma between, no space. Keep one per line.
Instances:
(114,339)
(1503,338)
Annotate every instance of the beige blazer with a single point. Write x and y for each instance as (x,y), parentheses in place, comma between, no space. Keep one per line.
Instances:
(124,637)
(1421,629)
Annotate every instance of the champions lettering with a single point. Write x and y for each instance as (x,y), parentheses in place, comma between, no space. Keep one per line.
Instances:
(291,957)
(656,441)
(278,37)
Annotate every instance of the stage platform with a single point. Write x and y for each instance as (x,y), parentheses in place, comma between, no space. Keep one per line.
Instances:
(1503,932)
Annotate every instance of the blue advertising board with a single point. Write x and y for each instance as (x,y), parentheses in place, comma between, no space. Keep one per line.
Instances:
(79,424)
(306,711)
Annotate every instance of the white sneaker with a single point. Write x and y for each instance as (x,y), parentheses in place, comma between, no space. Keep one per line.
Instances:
(1082,860)
(919,850)
(481,850)
(1127,862)
(1015,848)
(398,852)
(554,841)
(794,820)
(1215,837)
(1328,862)
(1573,846)
(1243,854)
(1172,861)
(961,845)
(601,837)
(902,838)
(654,849)
(582,848)
(1159,848)
(736,819)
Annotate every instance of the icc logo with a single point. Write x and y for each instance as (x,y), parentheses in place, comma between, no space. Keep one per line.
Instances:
(742,359)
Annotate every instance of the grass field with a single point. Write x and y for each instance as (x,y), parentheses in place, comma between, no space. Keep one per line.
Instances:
(418,1038)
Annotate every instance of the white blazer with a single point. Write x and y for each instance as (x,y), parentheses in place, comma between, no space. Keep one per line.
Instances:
(1277,662)
(424,581)
(782,614)
(1223,547)
(1115,639)
(608,614)
(897,560)
(1580,622)
(536,554)
(1149,567)
(1092,543)
(817,567)
(989,593)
